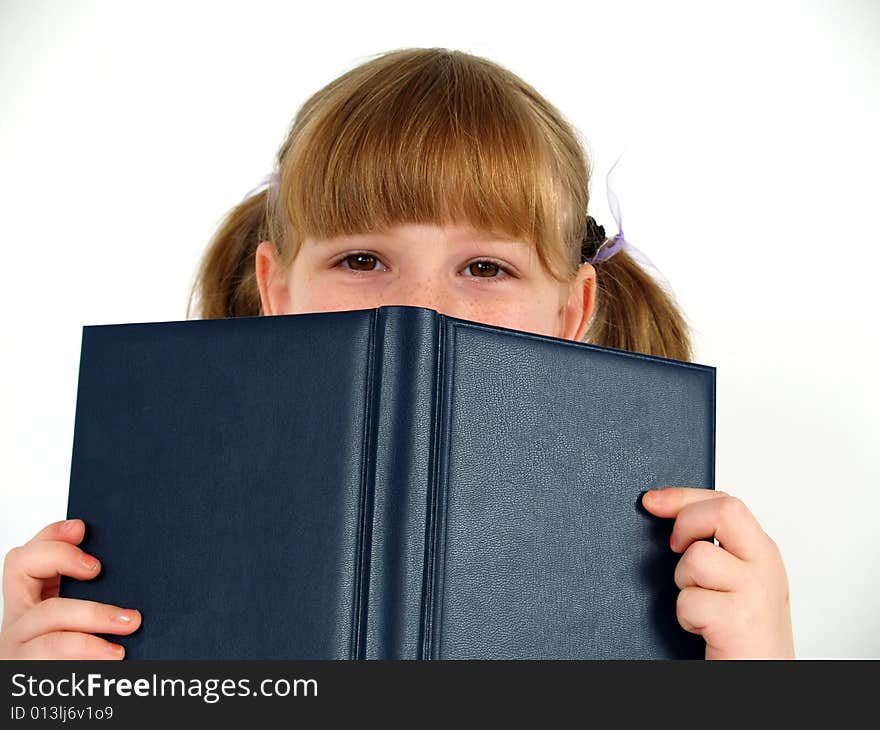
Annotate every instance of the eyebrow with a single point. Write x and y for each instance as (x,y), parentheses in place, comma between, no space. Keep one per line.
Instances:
(482,236)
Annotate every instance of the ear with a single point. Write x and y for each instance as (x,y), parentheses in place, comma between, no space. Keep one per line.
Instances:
(581,300)
(274,292)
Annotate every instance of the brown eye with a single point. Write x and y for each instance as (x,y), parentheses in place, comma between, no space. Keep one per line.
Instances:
(484,269)
(360,261)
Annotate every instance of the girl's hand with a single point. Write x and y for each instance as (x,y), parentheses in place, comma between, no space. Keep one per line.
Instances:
(735,594)
(37,624)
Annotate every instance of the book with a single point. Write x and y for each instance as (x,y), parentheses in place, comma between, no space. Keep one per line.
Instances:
(388,483)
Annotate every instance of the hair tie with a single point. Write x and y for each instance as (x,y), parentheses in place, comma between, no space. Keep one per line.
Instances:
(595,247)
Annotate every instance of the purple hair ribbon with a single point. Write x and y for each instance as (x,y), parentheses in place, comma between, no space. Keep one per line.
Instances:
(618,242)
(271,181)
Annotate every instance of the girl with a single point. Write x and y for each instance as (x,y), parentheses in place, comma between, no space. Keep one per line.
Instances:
(437,179)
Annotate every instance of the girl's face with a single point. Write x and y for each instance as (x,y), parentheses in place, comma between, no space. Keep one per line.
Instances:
(454,270)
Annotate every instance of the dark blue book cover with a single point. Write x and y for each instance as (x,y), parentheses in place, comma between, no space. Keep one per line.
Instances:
(383,483)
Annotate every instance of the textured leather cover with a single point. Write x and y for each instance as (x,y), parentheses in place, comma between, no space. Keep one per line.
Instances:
(383,483)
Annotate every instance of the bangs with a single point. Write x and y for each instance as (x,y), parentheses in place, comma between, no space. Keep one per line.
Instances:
(435,138)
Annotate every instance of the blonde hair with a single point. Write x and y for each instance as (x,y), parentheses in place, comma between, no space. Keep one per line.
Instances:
(430,135)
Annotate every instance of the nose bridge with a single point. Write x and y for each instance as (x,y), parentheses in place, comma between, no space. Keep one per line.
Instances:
(427,291)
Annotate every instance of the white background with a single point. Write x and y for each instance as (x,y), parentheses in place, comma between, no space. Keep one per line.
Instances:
(749,179)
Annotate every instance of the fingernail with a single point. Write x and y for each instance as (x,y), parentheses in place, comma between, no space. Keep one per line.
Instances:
(117,649)
(68,525)
(89,563)
(126,617)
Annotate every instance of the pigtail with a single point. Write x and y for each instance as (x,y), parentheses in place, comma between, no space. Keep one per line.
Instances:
(226,282)
(634,312)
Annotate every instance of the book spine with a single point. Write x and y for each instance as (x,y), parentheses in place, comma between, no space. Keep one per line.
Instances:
(399,480)
(366,498)
(435,517)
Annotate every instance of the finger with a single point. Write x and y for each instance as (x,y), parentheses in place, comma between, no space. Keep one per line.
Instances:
(706,565)
(48,558)
(726,519)
(26,568)
(74,614)
(71,531)
(69,645)
(699,609)
(670,501)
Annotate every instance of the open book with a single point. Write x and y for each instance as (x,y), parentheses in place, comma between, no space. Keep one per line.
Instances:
(383,483)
